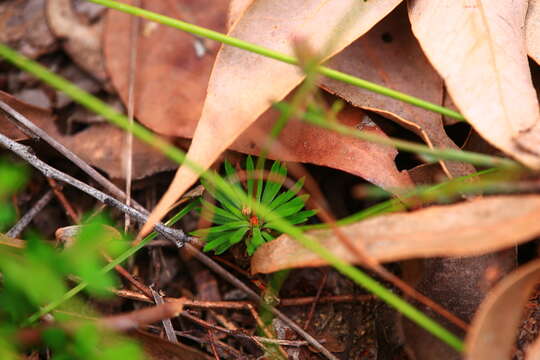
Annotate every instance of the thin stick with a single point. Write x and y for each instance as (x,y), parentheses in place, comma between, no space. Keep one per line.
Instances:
(242,305)
(19,227)
(167,323)
(134,37)
(34,130)
(57,189)
(316,300)
(175,235)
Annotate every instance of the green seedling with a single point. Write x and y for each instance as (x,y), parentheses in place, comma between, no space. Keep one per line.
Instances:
(235,220)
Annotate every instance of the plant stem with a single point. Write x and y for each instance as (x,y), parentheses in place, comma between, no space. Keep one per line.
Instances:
(323,70)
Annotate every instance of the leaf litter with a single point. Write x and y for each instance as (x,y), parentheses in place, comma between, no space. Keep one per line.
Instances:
(473,75)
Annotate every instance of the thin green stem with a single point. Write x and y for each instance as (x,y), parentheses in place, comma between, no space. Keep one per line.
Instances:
(323,70)
(444,154)
(358,276)
(393,205)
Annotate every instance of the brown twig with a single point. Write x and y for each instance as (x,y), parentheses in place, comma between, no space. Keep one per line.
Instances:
(70,211)
(23,222)
(301,301)
(135,24)
(34,131)
(212,341)
(317,297)
(167,324)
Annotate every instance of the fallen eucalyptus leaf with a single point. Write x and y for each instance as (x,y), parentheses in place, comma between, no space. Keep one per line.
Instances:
(160,68)
(479,50)
(470,228)
(493,330)
(389,55)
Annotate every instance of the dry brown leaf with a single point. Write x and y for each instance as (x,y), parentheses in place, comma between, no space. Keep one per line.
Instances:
(389,55)
(494,327)
(81,41)
(171,80)
(236,10)
(40,117)
(532,30)
(470,228)
(479,50)
(23,26)
(300,141)
(243,84)
(100,145)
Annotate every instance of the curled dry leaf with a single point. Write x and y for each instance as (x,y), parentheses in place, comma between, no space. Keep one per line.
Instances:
(532,30)
(470,228)
(485,68)
(243,84)
(389,55)
(494,327)
(81,41)
(100,145)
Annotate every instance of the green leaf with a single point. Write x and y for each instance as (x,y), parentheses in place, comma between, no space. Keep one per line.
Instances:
(232,176)
(238,235)
(292,206)
(250,181)
(232,205)
(287,195)
(125,349)
(210,209)
(260,181)
(267,236)
(214,243)
(301,216)
(272,186)
(216,229)
(13,177)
